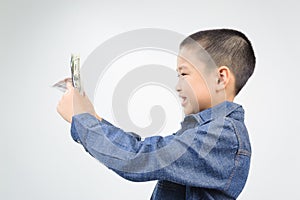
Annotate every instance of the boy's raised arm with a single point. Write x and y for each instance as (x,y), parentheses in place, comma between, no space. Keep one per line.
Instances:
(175,158)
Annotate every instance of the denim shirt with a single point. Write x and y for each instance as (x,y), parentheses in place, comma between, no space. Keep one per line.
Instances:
(208,158)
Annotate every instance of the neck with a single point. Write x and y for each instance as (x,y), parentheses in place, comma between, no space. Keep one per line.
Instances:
(221,97)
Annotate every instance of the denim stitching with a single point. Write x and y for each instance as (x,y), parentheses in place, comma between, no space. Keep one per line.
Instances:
(240,151)
(236,157)
(236,162)
(243,152)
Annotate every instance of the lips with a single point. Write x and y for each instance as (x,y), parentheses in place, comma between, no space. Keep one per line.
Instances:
(183,100)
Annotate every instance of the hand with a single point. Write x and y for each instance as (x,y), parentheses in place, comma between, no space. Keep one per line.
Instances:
(72,103)
(81,103)
(65,105)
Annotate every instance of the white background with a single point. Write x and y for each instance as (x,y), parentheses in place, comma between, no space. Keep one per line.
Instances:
(39,160)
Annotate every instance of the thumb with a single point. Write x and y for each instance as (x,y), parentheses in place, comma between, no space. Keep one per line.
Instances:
(69,85)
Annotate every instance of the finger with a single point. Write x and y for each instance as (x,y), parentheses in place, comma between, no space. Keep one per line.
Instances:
(76,94)
(69,85)
(68,80)
(58,106)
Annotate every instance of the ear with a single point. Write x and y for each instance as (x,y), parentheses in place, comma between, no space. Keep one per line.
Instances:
(223,73)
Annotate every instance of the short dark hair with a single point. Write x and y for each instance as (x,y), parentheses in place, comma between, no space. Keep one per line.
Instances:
(229,48)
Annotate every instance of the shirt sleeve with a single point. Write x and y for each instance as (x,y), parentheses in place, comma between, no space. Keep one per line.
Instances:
(196,157)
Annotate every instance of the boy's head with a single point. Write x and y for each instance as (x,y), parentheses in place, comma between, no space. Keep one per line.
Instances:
(213,67)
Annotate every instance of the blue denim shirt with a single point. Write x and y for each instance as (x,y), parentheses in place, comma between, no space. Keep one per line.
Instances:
(208,158)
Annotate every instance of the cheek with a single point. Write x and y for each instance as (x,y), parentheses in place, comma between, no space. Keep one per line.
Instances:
(195,88)
(202,93)
(199,87)
(185,85)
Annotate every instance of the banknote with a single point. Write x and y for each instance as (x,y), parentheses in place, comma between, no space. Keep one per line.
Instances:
(62,85)
(75,76)
(75,71)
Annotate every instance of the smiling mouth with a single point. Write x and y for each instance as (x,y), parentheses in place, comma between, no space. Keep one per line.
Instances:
(183,101)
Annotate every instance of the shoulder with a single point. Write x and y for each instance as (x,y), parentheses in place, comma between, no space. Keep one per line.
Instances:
(218,137)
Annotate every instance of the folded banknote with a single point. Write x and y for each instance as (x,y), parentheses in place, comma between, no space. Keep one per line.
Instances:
(75,76)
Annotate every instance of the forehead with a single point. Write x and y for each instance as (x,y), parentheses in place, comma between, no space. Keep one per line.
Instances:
(194,58)
(187,60)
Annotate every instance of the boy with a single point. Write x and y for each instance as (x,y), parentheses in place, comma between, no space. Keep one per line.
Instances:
(209,157)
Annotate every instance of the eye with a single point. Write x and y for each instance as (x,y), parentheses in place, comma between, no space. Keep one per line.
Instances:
(182,74)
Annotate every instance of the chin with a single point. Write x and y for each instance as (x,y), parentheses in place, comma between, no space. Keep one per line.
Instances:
(188,111)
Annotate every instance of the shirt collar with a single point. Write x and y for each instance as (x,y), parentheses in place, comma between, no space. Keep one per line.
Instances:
(221,110)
